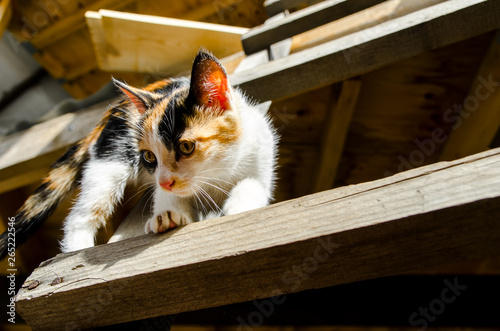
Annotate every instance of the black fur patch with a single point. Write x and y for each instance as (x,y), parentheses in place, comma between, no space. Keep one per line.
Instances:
(66,157)
(117,141)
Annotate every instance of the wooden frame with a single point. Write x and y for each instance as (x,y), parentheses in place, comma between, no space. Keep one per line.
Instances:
(370,49)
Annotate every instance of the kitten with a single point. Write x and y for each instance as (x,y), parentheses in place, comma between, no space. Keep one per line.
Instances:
(206,150)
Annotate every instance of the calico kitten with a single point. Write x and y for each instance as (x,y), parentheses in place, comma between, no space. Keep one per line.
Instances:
(206,150)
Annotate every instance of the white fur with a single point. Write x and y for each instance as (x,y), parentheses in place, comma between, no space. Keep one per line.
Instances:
(103,183)
(246,195)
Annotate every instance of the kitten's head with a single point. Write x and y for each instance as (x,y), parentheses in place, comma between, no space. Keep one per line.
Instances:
(188,129)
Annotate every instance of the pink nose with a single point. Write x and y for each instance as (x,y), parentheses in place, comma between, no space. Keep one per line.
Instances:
(167,185)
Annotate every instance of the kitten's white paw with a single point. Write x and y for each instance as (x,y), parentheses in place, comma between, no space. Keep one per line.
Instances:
(164,222)
(247,195)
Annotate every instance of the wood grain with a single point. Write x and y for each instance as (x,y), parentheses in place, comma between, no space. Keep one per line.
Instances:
(151,44)
(370,49)
(443,213)
(324,12)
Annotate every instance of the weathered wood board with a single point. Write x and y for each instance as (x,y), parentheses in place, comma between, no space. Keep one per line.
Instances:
(311,17)
(442,213)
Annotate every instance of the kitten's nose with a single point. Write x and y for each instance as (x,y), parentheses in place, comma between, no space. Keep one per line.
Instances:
(167,185)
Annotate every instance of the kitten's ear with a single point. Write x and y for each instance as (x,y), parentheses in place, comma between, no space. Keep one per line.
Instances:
(209,83)
(142,100)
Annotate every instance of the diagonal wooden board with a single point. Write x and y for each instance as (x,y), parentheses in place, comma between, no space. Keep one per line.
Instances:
(156,45)
(443,213)
(311,17)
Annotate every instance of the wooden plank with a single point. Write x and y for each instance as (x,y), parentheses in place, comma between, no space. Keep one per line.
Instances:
(27,155)
(275,51)
(152,44)
(370,49)
(335,132)
(479,119)
(364,19)
(324,12)
(442,213)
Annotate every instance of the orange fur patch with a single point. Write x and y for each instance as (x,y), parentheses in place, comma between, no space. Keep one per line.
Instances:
(204,126)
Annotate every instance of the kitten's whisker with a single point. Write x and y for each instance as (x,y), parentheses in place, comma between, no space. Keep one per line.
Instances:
(207,196)
(217,187)
(199,203)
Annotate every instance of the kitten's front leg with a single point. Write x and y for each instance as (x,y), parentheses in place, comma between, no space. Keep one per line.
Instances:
(246,195)
(102,187)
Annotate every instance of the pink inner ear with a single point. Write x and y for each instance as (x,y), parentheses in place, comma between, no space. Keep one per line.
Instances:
(138,103)
(216,91)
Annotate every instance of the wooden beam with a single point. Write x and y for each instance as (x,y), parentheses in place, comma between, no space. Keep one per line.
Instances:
(149,44)
(442,213)
(364,19)
(335,131)
(479,119)
(25,156)
(324,12)
(434,27)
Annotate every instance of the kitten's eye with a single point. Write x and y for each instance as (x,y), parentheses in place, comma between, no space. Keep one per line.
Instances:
(149,157)
(186,147)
